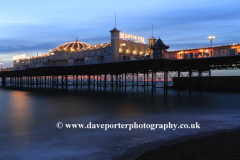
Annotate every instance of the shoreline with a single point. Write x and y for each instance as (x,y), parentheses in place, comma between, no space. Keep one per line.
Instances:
(188,147)
(220,146)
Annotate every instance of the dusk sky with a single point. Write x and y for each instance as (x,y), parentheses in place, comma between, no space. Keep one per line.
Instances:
(33,27)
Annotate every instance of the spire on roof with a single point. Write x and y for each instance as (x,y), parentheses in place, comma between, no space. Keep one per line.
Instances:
(160,44)
(115,29)
(152,30)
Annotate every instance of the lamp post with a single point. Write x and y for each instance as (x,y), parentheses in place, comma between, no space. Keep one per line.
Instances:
(211,38)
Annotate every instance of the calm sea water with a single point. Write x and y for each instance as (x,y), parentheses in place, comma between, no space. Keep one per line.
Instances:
(28,121)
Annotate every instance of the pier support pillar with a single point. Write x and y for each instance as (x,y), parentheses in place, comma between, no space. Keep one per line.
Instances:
(144,79)
(97,83)
(20,82)
(137,81)
(81,83)
(105,82)
(165,83)
(45,84)
(40,79)
(62,82)
(112,82)
(209,82)
(190,82)
(116,82)
(132,82)
(28,81)
(94,81)
(89,81)
(147,80)
(152,83)
(122,80)
(76,82)
(200,81)
(100,85)
(66,82)
(179,81)
(36,82)
(3,81)
(52,82)
(57,83)
(125,82)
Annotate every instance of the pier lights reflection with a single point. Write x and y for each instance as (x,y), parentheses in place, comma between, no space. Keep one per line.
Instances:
(20,117)
(129,110)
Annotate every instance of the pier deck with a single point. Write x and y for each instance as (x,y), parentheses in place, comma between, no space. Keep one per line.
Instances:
(136,73)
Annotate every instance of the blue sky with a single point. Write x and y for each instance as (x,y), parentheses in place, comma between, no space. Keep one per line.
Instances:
(33,27)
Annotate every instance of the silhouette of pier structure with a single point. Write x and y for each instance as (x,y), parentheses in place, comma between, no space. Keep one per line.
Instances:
(126,76)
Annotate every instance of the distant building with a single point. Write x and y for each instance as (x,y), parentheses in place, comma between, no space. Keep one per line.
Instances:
(215,51)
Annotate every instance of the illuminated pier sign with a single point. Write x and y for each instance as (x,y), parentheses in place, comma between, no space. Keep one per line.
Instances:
(131,37)
(19,57)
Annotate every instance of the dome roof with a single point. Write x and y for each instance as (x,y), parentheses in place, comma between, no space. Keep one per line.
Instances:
(71,46)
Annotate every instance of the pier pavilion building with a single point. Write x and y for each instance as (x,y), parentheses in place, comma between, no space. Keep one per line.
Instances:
(204,52)
(122,47)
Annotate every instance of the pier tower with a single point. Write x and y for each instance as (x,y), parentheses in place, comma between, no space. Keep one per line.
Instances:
(114,43)
(159,49)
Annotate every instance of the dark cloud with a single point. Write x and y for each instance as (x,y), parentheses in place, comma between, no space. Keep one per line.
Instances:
(9,46)
(23,48)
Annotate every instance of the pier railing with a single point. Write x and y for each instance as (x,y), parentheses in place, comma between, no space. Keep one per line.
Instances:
(86,62)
